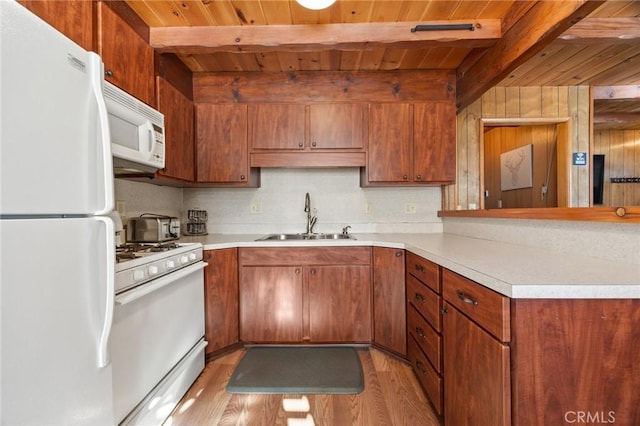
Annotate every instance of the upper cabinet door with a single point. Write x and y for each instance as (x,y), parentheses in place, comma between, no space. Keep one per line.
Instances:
(221,143)
(434,142)
(389,143)
(128,59)
(337,126)
(179,141)
(73,18)
(277,126)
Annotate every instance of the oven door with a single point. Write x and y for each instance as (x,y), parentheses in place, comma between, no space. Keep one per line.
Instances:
(155,325)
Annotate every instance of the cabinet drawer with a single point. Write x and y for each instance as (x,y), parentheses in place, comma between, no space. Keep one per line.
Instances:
(424,270)
(425,301)
(428,377)
(484,306)
(426,337)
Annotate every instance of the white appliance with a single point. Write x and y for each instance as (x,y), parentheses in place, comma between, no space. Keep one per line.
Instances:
(72,351)
(157,339)
(137,132)
(56,242)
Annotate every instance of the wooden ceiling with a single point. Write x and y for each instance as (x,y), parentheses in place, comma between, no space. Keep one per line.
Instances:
(514,43)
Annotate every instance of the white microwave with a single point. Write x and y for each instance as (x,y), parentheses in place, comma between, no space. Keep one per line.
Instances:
(137,133)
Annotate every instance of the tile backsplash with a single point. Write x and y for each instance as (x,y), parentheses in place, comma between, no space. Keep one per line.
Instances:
(278,205)
(336,199)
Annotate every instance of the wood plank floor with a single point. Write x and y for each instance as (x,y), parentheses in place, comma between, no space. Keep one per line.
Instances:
(392,396)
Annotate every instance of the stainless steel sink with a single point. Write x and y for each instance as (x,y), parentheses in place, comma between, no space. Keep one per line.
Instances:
(286,237)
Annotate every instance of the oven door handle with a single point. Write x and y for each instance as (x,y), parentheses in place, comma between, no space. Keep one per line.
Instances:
(151,286)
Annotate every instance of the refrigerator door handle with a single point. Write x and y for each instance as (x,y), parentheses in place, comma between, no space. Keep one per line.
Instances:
(104,134)
(103,343)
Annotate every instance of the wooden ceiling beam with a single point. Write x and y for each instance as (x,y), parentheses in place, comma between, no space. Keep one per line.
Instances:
(616,92)
(539,26)
(615,118)
(604,30)
(306,38)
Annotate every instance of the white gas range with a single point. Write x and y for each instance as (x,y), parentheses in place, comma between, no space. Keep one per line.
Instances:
(137,264)
(157,340)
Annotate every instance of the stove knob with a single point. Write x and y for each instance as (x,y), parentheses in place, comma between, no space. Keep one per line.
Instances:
(184,259)
(138,274)
(153,270)
(192,256)
(171,264)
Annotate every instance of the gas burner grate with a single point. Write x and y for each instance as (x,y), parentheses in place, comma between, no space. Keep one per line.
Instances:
(164,247)
(121,257)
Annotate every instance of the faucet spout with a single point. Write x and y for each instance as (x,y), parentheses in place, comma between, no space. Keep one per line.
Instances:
(311,220)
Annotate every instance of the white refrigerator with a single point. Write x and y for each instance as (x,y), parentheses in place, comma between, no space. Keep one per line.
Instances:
(56,239)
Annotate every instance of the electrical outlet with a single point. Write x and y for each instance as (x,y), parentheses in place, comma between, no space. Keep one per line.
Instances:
(410,208)
(367,207)
(121,208)
(256,207)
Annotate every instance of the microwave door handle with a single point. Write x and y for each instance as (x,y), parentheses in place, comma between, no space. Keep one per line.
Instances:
(150,140)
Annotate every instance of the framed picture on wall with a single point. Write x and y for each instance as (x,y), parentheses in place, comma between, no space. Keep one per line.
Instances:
(516,168)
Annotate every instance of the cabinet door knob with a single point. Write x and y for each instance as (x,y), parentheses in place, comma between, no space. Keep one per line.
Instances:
(405,177)
(108,73)
(314,143)
(313,272)
(419,177)
(297,271)
(242,177)
(300,144)
(398,254)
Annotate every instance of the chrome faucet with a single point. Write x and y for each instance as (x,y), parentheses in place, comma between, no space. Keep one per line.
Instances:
(311,220)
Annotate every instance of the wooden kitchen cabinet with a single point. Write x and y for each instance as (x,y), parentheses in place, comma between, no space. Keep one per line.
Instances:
(222,155)
(389,302)
(179,132)
(315,135)
(221,299)
(305,295)
(128,58)
(73,18)
(476,323)
(424,326)
(411,144)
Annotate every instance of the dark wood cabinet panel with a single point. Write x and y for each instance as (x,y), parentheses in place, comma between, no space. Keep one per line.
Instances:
(426,302)
(476,374)
(221,144)
(339,299)
(576,355)
(128,59)
(434,142)
(277,126)
(337,126)
(426,337)
(221,299)
(271,304)
(389,302)
(426,271)
(389,147)
(179,132)
(73,18)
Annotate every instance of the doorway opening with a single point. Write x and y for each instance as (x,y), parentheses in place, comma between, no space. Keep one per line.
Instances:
(547,162)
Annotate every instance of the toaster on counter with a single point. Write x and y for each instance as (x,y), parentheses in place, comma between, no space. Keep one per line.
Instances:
(153,229)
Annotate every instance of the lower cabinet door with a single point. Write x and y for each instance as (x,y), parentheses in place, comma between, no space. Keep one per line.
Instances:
(271,304)
(339,299)
(476,374)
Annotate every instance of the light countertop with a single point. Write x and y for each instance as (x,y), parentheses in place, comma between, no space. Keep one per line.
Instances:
(512,270)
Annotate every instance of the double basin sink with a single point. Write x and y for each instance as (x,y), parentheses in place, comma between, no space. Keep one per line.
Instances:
(305,237)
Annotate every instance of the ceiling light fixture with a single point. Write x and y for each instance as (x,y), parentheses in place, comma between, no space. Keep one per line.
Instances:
(315,4)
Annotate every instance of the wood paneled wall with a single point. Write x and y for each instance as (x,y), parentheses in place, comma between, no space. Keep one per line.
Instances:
(519,102)
(498,140)
(621,149)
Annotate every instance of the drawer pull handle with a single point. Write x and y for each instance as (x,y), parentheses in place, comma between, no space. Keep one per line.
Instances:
(466,299)
(419,268)
(420,332)
(420,367)
(419,298)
